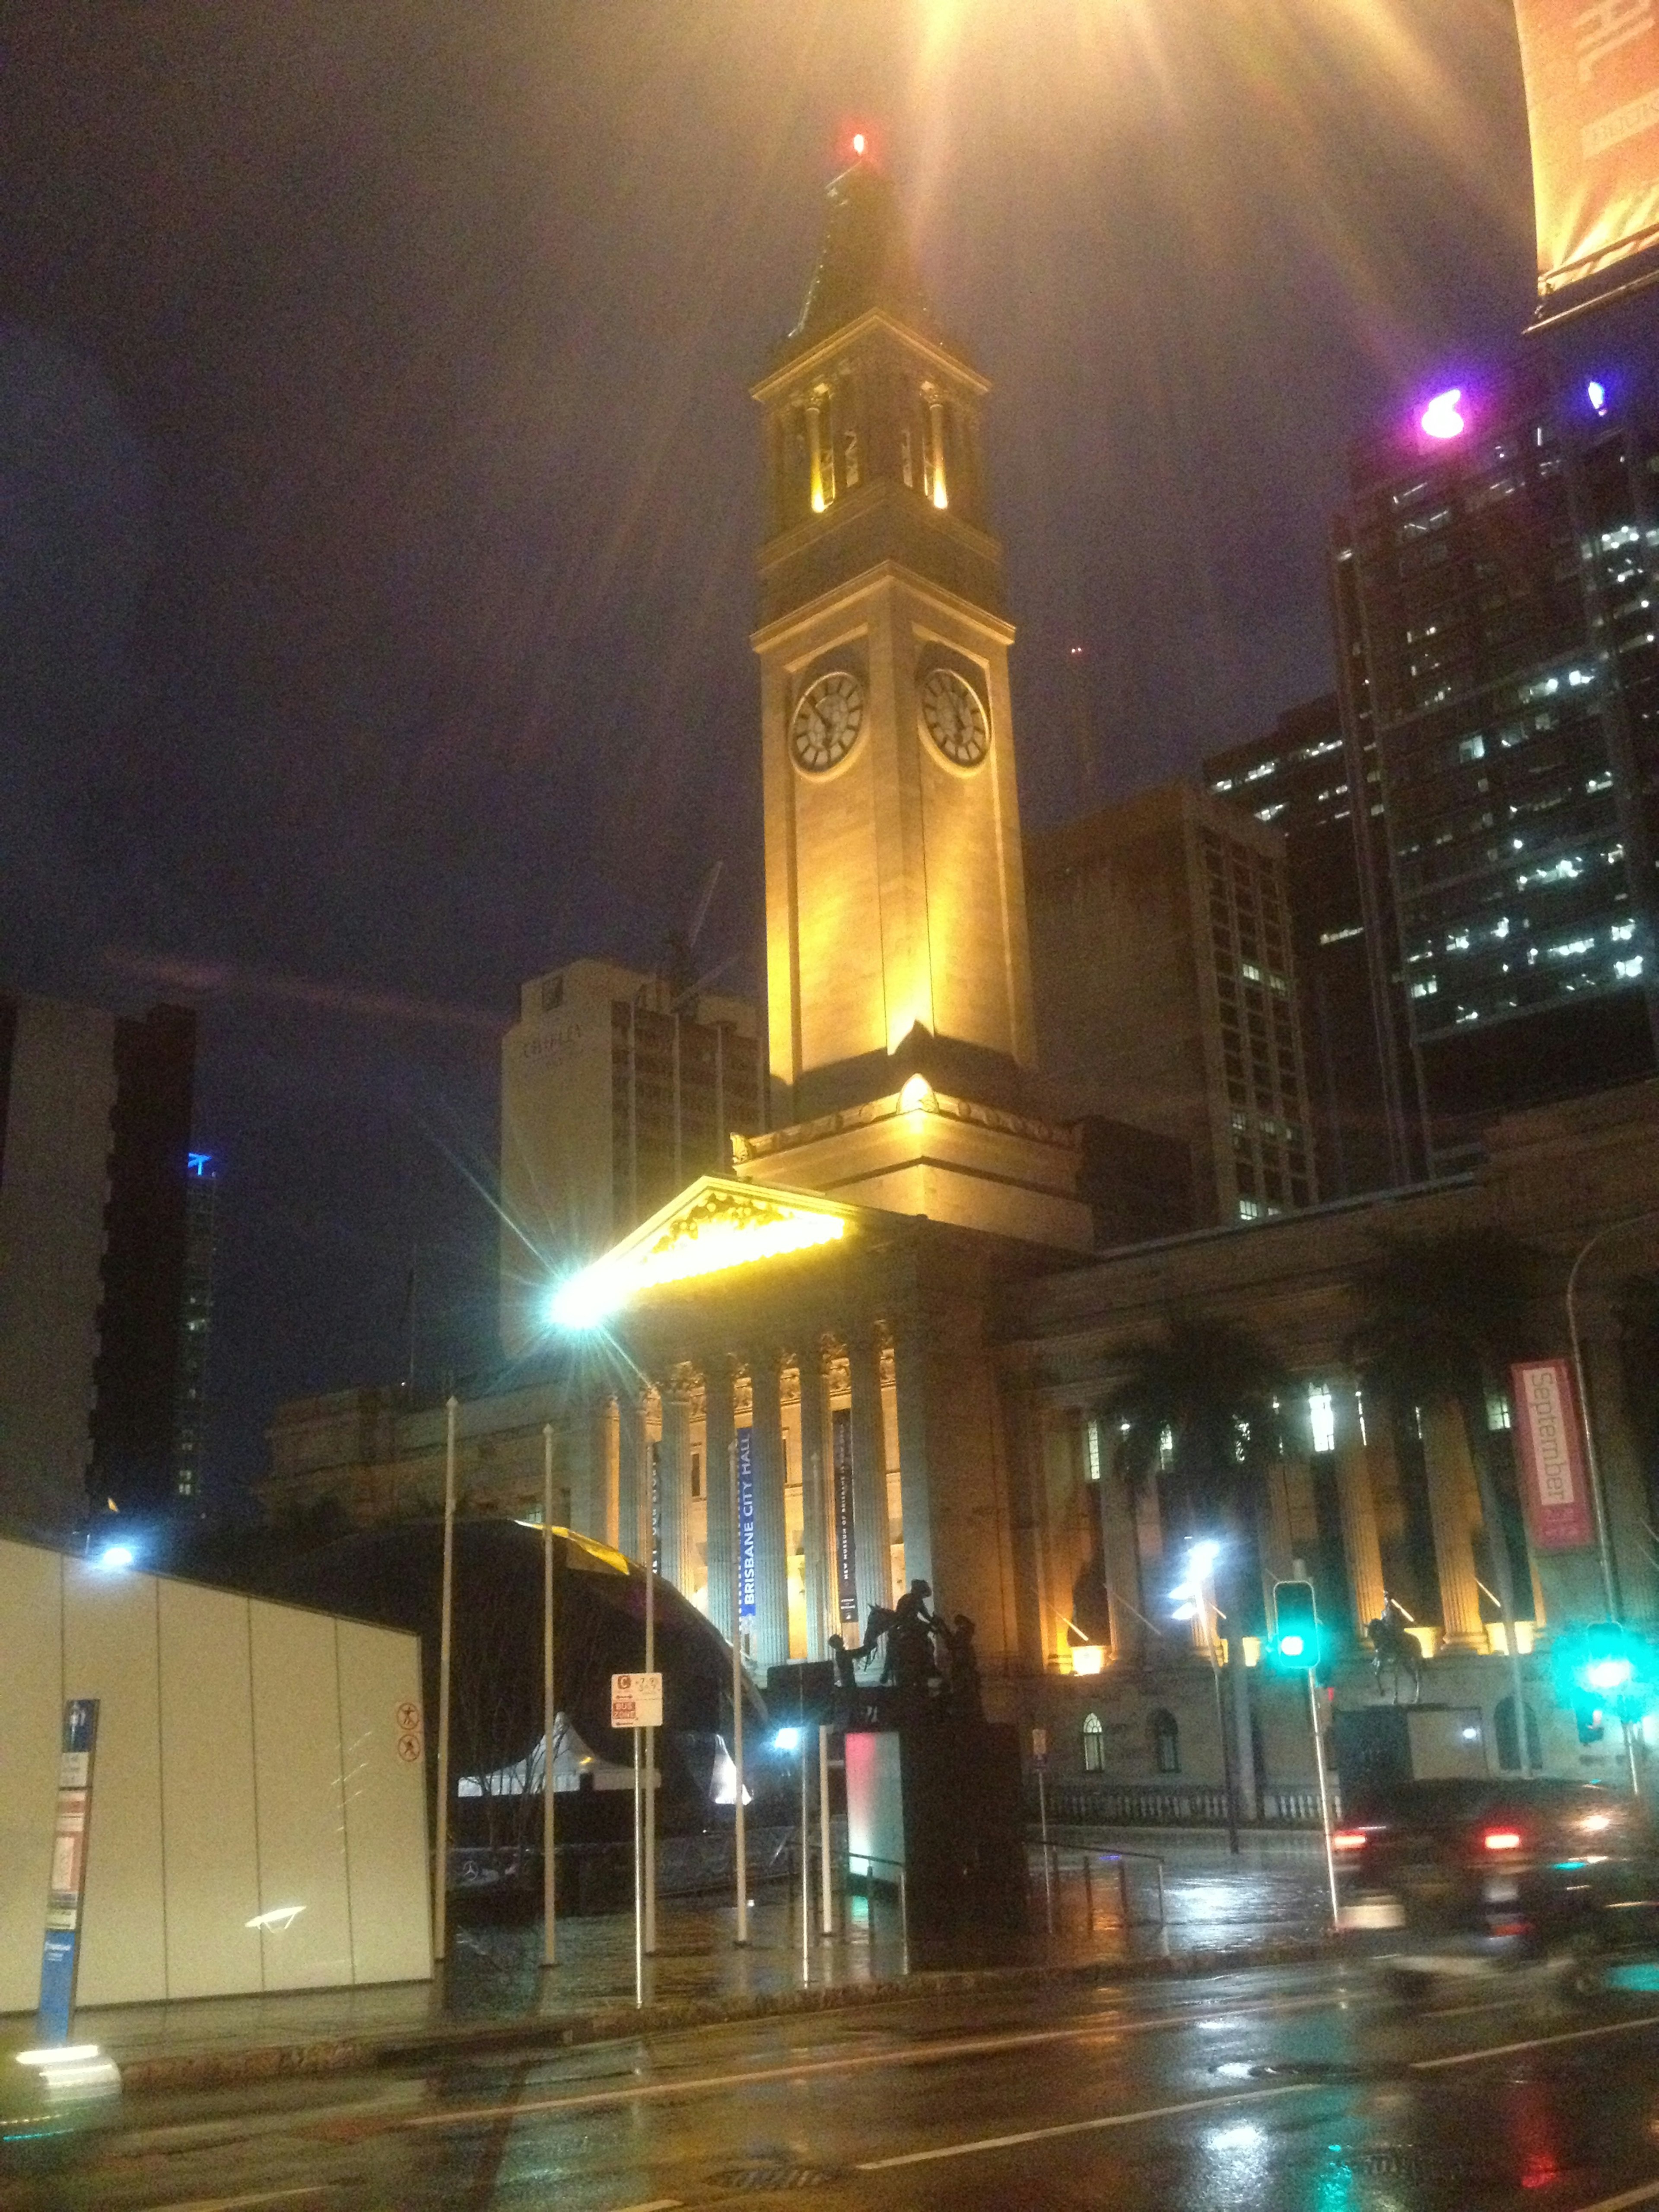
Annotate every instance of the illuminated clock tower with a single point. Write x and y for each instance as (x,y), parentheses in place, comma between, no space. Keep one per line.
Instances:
(898,976)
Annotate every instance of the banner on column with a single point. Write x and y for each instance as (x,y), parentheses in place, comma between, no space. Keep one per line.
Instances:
(746,1525)
(1592,81)
(60,1955)
(1554,1491)
(841,1461)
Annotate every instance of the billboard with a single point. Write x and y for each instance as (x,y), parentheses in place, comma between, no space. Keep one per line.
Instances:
(1554,1494)
(1592,78)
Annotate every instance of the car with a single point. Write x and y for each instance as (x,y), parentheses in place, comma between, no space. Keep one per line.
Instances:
(1478,1874)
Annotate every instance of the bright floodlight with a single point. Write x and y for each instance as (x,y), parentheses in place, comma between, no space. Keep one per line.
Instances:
(580,1302)
(117,1556)
(787,1739)
(1203,1556)
(1596,392)
(1443,416)
(858,141)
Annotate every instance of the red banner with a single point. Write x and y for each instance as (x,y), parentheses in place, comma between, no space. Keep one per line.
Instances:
(1554,1493)
(1592,75)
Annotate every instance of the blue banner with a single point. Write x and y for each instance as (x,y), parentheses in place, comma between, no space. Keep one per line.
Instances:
(60,1952)
(840,1448)
(746,1525)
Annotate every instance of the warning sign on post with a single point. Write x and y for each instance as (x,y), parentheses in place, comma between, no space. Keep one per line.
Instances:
(636,1701)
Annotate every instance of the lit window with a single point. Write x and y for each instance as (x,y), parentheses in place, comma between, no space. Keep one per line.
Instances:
(1091,1449)
(1094,1745)
(1322,1418)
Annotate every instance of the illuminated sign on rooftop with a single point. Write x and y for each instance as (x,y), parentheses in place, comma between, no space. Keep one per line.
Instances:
(1443,417)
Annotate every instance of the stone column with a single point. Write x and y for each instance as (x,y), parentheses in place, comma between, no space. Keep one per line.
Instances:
(1359,1508)
(814,1455)
(717,1489)
(771,1526)
(673,1475)
(910,1402)
(633,1473)
(1121,1557)
(870,1531)
(1452,1508)
(588,1433)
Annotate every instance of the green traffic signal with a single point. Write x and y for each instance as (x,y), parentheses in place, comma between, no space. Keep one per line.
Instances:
(1604,1666)
(1296,1641)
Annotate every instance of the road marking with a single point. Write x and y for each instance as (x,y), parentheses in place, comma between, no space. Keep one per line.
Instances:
(1536,2043)
(236,2203)
(656,2204)
(1648,2196)
(930,2054)
(1084,2127)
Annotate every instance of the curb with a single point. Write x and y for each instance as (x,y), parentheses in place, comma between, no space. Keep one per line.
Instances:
(216,2069)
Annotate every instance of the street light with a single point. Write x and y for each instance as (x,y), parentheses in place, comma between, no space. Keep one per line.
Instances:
(1190,1601)
(1603,1542)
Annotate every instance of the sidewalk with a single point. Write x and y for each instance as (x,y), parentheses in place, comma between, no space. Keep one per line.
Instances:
(1266,1907)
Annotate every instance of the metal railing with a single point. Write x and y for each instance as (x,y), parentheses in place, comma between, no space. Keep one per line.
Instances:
(861,1872)
(1082,1801)
(1054,1858)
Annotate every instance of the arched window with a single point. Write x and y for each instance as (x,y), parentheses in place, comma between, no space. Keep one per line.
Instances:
(1509,1750)
(1165,1732)
(1094,1745)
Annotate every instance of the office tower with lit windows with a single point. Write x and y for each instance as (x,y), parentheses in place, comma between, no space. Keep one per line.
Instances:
(1164,980)
(1496,610)
(195,1328)
(1297,778)
(617,1090)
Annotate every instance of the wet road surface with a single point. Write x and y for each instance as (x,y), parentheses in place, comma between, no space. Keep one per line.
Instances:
(1313,2090)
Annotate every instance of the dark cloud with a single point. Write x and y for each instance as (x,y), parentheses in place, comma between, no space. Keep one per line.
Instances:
(381,490)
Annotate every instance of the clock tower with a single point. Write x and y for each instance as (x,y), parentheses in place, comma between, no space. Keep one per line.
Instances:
(898,977)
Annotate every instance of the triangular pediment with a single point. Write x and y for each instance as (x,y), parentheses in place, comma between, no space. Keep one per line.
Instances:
(714,1224)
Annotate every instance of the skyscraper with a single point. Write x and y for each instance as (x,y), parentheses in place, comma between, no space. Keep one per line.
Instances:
(1297,778)
(617,1090)
(1166,994)
(1497,597)
(195,1328)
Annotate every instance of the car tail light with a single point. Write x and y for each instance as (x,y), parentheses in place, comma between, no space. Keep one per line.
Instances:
(1502,1839)
(1348,1839)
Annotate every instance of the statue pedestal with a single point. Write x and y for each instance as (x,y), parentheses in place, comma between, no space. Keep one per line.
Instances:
(940,1799)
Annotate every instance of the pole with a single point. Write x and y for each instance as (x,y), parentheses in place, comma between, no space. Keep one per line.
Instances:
(739,1840)
(1230,1800)
(550,1715)
(805,1869)
(440,1899)
(647,1493)
(1042,1829)
(826,1904)
(639,1883)
(1592,1458)
(1325,1797)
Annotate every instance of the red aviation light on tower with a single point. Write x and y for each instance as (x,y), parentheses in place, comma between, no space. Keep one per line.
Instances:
(856,142)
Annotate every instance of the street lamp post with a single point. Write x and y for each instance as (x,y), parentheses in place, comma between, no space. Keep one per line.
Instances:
(1193,1604)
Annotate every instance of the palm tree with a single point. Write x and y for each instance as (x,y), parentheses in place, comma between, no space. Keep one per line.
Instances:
(1198,1411)
(1444,1317)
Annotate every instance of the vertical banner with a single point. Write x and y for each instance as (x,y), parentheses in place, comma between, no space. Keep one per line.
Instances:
(1592,79)
(60,1955)
(1553,1490)
(656,1507)
(840,1463)
(746,1525)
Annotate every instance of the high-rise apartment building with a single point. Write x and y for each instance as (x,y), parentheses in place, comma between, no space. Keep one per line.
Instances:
(617,1090)
(1164,983)
(94,1126)
(1297,777)
(1498,607)
(195,1327)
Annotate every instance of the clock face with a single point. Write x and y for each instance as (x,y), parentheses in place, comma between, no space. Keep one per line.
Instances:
(826,722)
(954,718)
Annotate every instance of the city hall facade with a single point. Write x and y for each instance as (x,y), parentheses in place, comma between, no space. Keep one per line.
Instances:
(880,1348)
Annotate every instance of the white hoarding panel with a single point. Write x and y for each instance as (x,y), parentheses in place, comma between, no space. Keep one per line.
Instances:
(383,1738)
(207,1793)
(31,1711)
(109,1654)
(303,1902)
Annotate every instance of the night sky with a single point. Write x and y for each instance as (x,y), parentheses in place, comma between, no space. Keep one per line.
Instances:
(378,489)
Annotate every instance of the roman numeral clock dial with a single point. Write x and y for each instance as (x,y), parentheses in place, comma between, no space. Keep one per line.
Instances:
(954,719)
(826,722)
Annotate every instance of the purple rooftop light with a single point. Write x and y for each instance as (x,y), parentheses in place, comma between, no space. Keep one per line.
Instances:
(1443,416)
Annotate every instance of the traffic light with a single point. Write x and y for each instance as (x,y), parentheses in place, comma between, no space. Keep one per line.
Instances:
(1604,1668)
(1296,1626)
